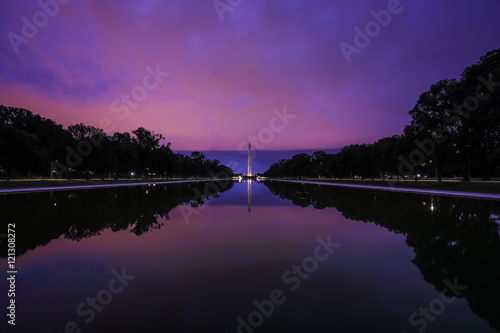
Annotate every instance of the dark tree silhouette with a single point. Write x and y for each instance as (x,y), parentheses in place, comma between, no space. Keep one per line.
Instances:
(29,144)
(455,129)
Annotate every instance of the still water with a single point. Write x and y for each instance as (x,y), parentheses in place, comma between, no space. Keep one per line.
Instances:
(259,257)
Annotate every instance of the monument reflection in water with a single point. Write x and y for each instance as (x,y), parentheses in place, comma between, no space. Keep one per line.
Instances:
(249,195)
(201,263)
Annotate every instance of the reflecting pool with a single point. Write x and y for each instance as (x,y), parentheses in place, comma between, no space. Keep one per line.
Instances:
(259,257)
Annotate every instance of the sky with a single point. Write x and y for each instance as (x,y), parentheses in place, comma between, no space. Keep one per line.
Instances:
(213,75)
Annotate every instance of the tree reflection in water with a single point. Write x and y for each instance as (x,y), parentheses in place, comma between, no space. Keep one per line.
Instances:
(46,216)
(452,237)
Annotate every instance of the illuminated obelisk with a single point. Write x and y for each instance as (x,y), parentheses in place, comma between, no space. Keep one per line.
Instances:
(249,181)
(249,160)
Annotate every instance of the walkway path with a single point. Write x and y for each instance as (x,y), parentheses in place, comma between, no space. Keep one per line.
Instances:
(92,186)
(402,189)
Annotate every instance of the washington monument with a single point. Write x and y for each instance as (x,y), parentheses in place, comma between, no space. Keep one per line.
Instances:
(249,160)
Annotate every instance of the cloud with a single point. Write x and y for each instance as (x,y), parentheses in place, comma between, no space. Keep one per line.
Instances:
(226,77)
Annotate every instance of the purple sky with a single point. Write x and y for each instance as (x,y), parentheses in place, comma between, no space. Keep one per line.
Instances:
(227,76)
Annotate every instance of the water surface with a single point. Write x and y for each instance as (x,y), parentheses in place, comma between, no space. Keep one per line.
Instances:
(177,258)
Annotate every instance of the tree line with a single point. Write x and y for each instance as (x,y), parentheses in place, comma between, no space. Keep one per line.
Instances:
(33,146)
(454,132)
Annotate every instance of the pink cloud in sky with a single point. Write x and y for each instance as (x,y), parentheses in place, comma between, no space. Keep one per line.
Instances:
(225,78)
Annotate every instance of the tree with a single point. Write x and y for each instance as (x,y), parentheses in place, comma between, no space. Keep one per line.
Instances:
(438,124)
(19,151)
(199,162)
(298,165)
(162,160)
(22,119)
(319,166)
(123,154)
(82,132)
(145,143)
(385,155)
(481,106)
(87,142)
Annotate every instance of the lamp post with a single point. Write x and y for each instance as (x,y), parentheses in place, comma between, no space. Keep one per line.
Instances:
(52,168)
